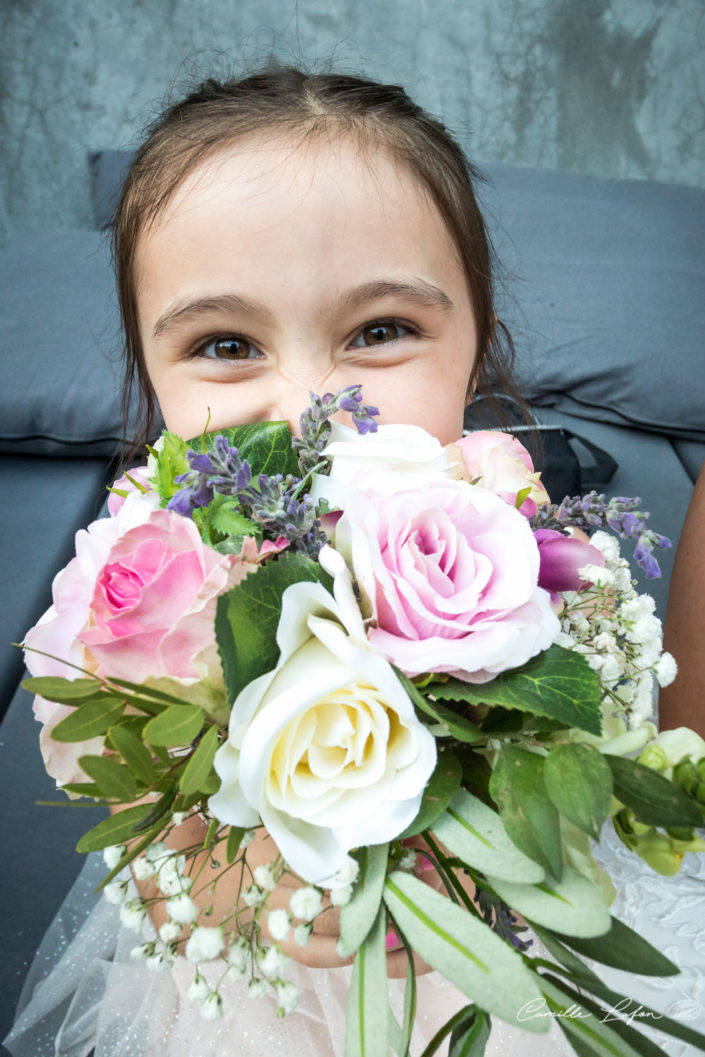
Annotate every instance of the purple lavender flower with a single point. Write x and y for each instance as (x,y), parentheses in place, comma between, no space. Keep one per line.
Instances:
(315,425)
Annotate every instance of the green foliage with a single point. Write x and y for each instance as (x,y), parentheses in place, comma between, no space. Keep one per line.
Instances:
(573,905)
(621,947)
(170,463)
(579,784)
(367,1019)
(469,1038)
(117,829)
(177,725)
(64,691)
(232,845)
(530,818)
(92,719)
(358,916)
(266,446)
(440,788)
(248,616)
(199,769)
(456,725)
(653,798)
(112,778)
(133,751)
(558,684)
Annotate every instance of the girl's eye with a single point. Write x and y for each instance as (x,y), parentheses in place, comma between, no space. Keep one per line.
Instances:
(380,333)
(230,348)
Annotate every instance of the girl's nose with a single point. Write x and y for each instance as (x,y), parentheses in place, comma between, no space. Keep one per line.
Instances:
(288,397)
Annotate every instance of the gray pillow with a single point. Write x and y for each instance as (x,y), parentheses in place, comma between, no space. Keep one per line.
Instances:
(607,295)
(59,346)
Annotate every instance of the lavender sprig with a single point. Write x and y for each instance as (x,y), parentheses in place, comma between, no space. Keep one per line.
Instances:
(315,425)
(619,514)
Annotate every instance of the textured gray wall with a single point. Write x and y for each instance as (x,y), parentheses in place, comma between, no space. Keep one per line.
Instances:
(612,87)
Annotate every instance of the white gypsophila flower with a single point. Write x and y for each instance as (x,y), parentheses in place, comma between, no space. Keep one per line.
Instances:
(279,923)
(238,953)
(287,996)
(564,639)
(160,961)
(253,895)
(257,988)
(264,876)
(170,931)
(113,855)
(408,859)
(234,974)
(198,989)
(273,963)
(143,951)
(305,903)
(302,934)
(599,575)
(178,817)
(607,545)
(204,944)
(132,914)
(212,1008)
(666,669)
(142,869)
(115,892)
(157,851)
(340,896)
(605,641)
(247,838)
(181,908)
(348,872)
(622,579)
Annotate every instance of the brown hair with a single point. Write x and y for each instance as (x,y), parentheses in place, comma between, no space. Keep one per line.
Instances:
(287,99)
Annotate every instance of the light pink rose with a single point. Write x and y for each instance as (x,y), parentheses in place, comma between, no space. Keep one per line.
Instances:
(136,480)
(500,463)
(451,576)
(137,602)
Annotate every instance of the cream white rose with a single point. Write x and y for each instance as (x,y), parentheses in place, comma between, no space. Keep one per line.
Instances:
(326,749)
(391,460)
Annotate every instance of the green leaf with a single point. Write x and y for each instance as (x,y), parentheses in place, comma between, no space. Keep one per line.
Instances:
(463,948)
(135,754)
(89,789)
(223,515)
(177,725)
(248,616)
(265,445)
(622,948)
(457,726)
(474,832)
(112,778)
(199,767)
(440,788)
(89,720)
(557,683)
(470,1038)
(367,1019)
(114,830)
(232,845)
(579,784)
(358,916)
(654,799)
(170,462)
(64,691)
(517,788)
(131,853)
(149,693)
(573,905)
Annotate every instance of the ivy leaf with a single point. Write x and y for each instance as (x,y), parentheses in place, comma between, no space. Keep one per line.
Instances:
(177,725)
(198,769)
(266,446)
(558,683)
(358,916)
(653,798)
(112,778)
(579,784)
(117,829)
(90,720)
(247,618)
(518,789)
(440,788)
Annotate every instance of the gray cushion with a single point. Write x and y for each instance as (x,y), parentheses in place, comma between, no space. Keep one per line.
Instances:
(60,369)
(608,306)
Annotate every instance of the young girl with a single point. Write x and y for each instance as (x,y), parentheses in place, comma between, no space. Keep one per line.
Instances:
(279,235)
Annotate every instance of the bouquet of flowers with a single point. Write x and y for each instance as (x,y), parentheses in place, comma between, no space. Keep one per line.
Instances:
(384,652)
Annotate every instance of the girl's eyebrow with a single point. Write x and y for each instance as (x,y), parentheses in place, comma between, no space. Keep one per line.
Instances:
(413,291)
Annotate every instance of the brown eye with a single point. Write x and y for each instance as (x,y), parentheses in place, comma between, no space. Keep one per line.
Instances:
(381,333)
(230,349)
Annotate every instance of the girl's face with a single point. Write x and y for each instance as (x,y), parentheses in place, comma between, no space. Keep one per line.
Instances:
(277,270)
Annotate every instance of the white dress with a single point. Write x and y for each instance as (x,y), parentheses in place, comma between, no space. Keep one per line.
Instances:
(85,995)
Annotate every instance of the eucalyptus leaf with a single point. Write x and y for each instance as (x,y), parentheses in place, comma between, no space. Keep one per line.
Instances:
(112,778)
(518,789)
(177,725)
(199,768)
(116,829)
(467,951)
(654,799)
(557,683)
(64,691)
(475,833)
(573,905)
(440,788)
(579,784)
(358,915)
(247,618)
(367,1018)
(89,720)
(135,754)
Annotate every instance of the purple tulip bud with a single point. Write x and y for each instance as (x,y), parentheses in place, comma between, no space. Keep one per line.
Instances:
(561,557)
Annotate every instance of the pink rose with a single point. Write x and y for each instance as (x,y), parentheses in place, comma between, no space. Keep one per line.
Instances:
(450,574)
(500,463)
(136,480)
(137,602)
